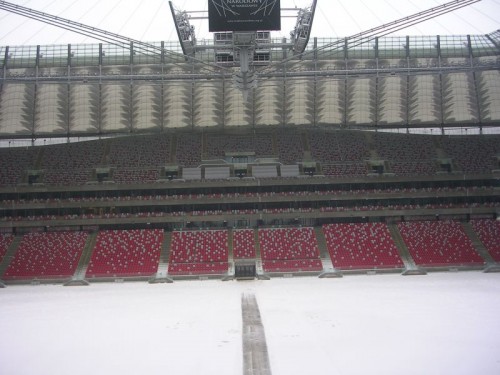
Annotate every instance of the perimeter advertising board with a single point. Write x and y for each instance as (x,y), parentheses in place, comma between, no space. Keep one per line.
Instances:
(243,15)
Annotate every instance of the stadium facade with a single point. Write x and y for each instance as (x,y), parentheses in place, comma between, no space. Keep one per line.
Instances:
(387,82)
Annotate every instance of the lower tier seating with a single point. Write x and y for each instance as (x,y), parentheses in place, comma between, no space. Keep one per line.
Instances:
(199,252)
(47,255)
(215,268)
(361,246)
(439,243)
(289,250)
(126,253)
(243,244)
(489,234)
(5,241)
(297,265)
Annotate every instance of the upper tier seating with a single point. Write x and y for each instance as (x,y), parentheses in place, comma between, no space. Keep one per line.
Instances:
(489,234)
(290,147)
(126,253)
(199,252)
(407,154)
(67,177)
(243,244)
(218,145)
(14,162)
(140,151)
(71,163)
(289,250)
(413,168)
(439,243)
(473,155)
(338,146)
(361,246)
(78,155)
(47,255)
(404,147)
(136,176)
(188,153)
(140,159)
(5,241)
(345,170)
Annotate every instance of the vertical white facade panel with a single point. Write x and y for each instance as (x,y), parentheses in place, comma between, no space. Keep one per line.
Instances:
(143,94)
(391,100)
(330,93)
(47,108)
(424,99)
(11,107)
(113,107)
(178,96)
(489,84)
(81,107)
(459,98)
(360,101)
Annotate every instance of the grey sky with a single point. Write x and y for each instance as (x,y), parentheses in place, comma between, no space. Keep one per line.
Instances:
(150,20)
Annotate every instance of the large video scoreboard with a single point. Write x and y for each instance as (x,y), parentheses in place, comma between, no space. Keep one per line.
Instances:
(244,15)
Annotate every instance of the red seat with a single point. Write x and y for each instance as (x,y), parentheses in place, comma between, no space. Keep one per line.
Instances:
(489,234)
(5,241)
(439,243)
(47,255)
(289,250)
(361,246)
(126,253)
(199,252)
(243,244)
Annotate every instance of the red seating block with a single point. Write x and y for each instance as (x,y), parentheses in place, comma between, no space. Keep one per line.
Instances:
(126,253)
(289,249)
(361,246)
(47,255)
(199,252)
(5,241)
(439,243)
(489,234)
(243,244)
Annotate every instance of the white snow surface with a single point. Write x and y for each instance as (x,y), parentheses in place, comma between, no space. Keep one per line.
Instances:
(442,323)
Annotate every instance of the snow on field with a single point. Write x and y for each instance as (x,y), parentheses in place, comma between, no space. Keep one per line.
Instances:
(442,323)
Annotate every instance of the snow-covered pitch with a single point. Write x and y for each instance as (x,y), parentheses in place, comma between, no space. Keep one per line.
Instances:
(442,323)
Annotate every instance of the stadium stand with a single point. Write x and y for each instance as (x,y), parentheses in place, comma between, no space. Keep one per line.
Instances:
(131,176)
(439,244)
(140,151)
(332,147)
(14,163)
(409,168)
(366,143)
(345,170)
(198,252)
(126,253)
(473,155)
(244,244)
(71,164)
(489,233)
(5,241)
(289,250)
(361,246)
(188,153)
(217,145)
(404,147)
(290,147)
(46,255)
